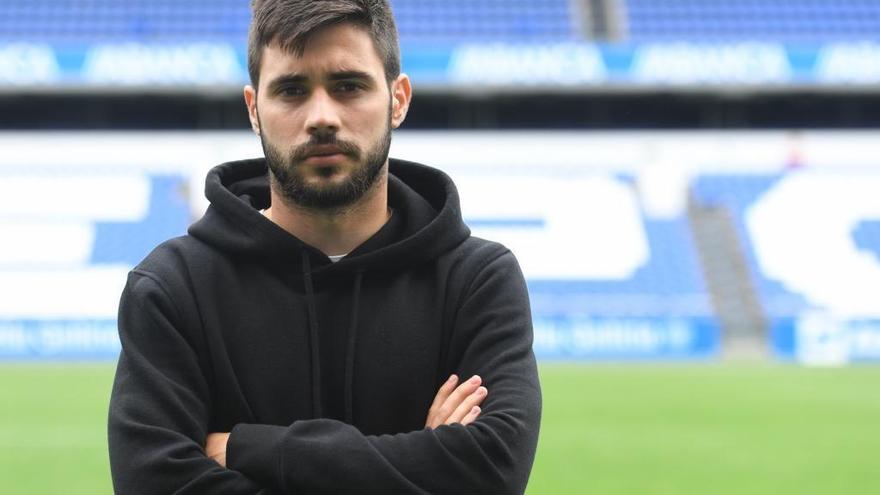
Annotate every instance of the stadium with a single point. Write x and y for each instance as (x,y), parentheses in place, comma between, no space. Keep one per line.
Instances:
(692,189)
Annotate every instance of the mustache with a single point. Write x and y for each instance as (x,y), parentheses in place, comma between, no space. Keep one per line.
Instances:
(303,151)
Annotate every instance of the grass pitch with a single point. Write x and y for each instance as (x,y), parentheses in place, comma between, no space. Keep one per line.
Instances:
(607,429)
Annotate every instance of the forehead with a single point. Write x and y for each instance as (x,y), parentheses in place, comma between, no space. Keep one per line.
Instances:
(330,49)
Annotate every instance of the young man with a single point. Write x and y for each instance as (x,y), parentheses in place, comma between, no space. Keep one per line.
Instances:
(309,333)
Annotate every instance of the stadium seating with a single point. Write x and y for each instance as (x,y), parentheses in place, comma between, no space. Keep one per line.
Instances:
(448,21)
(659,310)
(668,285)
(73,22)
(737,193)
(495,20)
(812,244)
(656,307)
(767,20)
(167,216)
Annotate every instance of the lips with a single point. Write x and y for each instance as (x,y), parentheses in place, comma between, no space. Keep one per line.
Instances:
(328,152)
(325,157)
(322,151)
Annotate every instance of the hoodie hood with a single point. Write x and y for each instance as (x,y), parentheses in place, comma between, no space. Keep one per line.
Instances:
(426,199)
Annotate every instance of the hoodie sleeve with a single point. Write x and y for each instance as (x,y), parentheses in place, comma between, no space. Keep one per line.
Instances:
(159,407)
(492,337)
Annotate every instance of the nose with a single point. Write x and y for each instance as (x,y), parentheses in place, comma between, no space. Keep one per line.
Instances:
(322,115)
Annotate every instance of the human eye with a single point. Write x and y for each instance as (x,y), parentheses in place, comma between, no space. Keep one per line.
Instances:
(349,87)
(292,91)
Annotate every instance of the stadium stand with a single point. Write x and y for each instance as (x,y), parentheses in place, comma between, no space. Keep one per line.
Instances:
(94,21)
(811,243)
(56,44)
(72,21)
(736,193)
(672,272)
(669,284)
(167,215)
(789,21)
(447,21)
(661,311)
(496,20)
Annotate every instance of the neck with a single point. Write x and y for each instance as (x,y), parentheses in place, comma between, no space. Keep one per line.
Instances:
(337,231)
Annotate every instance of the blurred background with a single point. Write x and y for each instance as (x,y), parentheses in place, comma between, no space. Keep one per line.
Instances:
(692,188)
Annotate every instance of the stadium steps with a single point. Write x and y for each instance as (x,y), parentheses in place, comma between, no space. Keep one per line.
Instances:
(733,295)
(599,20)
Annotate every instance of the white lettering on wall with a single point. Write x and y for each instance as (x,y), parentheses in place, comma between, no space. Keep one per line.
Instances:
(853,63)
(586,228)
(802,233)
(500,64)
(689,63)
(28,63)
(135,64)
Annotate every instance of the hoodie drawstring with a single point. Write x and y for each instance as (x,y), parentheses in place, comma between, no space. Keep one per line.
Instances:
(314,343)
(350,346)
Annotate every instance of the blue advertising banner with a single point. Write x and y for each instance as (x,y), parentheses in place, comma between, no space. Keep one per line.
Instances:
(562,337)
(466,66)
(826,340)
(69,340)
(609,338)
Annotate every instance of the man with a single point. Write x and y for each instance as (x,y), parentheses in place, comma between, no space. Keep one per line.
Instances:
(309,333)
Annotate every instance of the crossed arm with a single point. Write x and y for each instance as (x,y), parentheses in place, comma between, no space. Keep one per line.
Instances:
(451,405)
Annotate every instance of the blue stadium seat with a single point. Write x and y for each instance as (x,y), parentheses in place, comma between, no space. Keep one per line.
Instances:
(420,21)
(791,21)
(670,284)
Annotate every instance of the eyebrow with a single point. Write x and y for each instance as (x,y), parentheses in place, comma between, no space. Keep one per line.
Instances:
(350,74)
(343,75)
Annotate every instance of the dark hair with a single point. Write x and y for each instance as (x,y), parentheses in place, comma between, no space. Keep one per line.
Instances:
(290,23)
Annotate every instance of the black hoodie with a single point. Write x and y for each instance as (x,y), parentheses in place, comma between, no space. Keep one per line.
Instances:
(323,372)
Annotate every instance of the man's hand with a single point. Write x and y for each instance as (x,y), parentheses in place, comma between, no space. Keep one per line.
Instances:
(456,405)
(215,447)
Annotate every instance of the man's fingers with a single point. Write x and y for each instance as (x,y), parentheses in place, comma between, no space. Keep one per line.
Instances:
(215,447)
(444,392)
(467,405)
(471,416)
(439,399)
(455,399)
(446,404)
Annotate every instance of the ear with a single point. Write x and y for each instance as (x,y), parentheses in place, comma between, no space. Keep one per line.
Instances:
(401,96)
(250,99)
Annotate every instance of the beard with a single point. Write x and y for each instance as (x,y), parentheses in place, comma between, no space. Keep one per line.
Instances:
(287,173)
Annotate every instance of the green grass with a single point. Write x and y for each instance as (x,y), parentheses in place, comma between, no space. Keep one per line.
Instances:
(607,429)
(709,430)
(53,433)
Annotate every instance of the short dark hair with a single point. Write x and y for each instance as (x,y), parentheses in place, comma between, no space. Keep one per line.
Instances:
(290,23)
